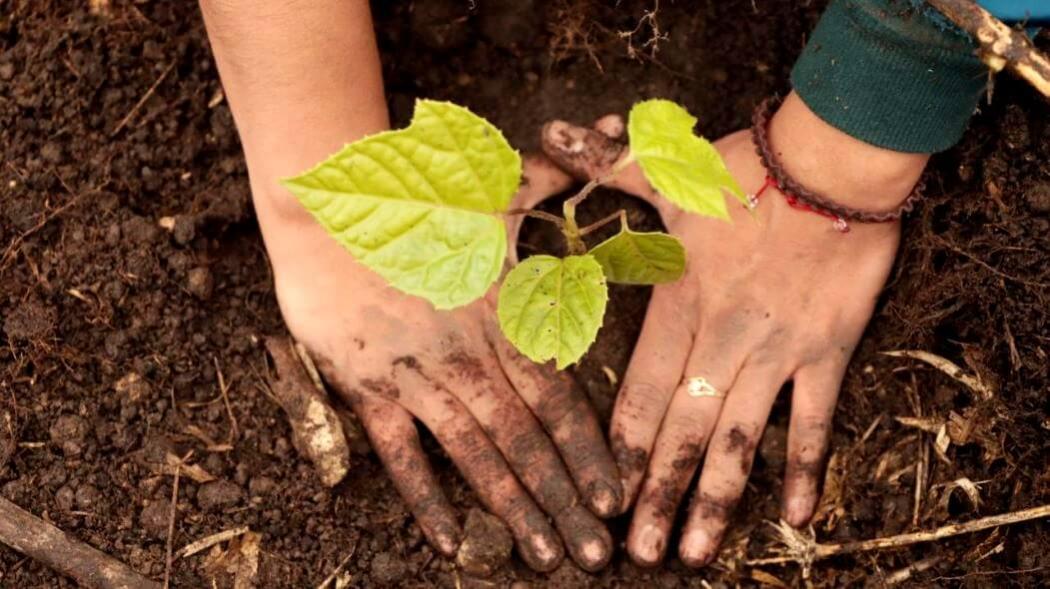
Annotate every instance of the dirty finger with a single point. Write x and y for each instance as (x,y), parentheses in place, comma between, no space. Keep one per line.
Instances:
(393,435)
(813,399)
(485,469)
(727,465)
(484,390)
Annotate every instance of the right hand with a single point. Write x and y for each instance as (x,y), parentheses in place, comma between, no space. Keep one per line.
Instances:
(508,424)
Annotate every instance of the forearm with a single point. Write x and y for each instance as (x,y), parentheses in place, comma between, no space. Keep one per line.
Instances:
(302,78)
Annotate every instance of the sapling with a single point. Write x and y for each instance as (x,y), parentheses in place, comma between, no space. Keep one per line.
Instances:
(423,207)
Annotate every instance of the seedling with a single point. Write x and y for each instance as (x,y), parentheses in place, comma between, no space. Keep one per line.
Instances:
(423,207)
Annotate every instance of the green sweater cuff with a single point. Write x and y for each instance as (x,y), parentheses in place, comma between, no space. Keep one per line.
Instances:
(887,75)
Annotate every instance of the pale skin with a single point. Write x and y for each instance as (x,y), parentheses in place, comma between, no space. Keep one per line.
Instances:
(777,297)
(781,296)
(303,78)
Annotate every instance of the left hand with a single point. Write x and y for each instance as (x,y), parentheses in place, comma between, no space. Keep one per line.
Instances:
(781,296)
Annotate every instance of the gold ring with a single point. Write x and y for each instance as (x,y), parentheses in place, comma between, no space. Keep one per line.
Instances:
(698,386)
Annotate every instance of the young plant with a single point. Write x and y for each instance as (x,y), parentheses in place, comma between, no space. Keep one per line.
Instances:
(423,207)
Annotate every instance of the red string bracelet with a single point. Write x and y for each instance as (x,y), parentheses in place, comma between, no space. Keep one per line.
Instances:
(840,224)
(799,197)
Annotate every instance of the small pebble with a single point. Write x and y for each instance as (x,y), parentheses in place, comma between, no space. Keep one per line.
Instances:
(154,518)
(69,432)
(217,495)
(486,546)
(1038,197)
(200,283)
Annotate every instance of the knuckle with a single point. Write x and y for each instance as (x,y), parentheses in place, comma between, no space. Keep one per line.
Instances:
(642,399)
(682,424)
(560,402)
(710,506)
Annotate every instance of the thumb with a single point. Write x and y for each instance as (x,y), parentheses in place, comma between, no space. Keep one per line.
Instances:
(588,154)
(583,152)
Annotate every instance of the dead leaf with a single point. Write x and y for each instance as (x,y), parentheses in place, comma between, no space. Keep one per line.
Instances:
(240,559)
(209,541)
(948,367)
(767,579)
(930,425)
(192,471)
(830,507)
(941,443)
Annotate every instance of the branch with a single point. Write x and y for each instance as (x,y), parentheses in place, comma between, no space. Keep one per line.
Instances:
(802,549)
(62,552)
(1001,46)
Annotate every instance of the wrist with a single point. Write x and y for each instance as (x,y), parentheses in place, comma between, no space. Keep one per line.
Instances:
(846,170)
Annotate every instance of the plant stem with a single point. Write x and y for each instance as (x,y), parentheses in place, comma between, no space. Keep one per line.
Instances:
(620,214)
(571,230)
(538,215)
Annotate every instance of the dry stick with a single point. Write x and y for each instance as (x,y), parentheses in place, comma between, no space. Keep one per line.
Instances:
(205,543)
(1001,46)
(44,542)
(338,569)
(224,390)
(145,97)
(820,551)
(12,248)
(171,517)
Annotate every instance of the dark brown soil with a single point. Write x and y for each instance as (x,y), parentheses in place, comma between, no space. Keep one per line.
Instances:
(112,329)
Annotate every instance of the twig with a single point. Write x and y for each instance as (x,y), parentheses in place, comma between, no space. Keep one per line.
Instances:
(13,247)
(802,549)
(906,573)
(145,97)
(974,383)
(342,564)
(223,390)
(51,546)
(1001,46)
(209,541)
(171,518)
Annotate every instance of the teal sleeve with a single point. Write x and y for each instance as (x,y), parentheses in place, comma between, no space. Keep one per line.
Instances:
(888,75)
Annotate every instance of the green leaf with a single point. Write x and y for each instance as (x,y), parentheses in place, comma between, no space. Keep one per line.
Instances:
(420,206)
(631,257)
(551,308)
(683,167)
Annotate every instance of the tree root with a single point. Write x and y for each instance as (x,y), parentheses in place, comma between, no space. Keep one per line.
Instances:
(1001,46)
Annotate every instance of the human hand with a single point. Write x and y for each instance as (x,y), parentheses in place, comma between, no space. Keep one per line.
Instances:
(523,435)
(765,299)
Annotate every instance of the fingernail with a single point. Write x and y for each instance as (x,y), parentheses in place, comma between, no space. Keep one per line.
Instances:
(545,550)
(604,499)
(797,511)
(594,553)
(696,548)
(649,545)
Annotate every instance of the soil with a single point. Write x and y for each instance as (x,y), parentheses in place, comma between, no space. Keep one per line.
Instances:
(114,330)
